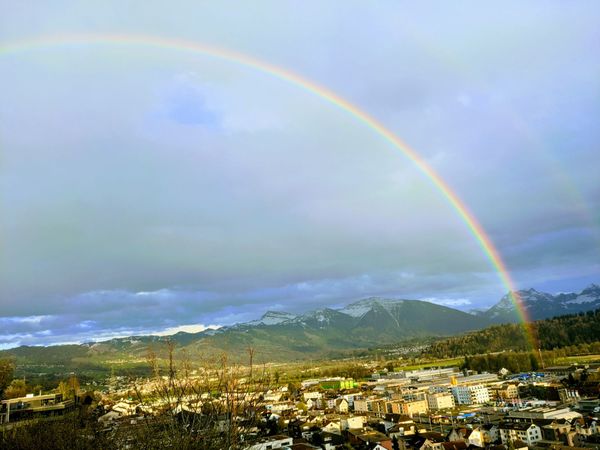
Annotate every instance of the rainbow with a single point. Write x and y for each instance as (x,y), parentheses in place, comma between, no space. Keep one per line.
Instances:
(324,93)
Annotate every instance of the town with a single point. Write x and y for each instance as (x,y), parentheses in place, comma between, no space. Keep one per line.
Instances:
(442,408)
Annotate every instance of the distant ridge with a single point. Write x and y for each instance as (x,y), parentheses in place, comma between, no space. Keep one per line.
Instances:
(541,305)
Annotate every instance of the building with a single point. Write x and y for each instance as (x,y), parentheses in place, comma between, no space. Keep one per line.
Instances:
(471,395)
(361,405)
(527,432)
(341,405)
(544,412)
(483,435)
(354,422)
(506,392)
(414,407)
(277,441)
(440,401)
(32,406)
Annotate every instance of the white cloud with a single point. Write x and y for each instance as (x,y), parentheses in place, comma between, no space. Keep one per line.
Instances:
(451,302)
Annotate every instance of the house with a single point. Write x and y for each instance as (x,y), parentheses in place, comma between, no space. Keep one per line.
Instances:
(556,431)
(483,435)
(342,406)
(584,429)
(527,432)
(334,427)
(362,438)
(398,425)
(424,441)
(458,434)
(353,422)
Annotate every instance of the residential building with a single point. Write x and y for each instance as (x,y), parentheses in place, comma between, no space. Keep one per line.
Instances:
(505,392)
(527,432)
(362,405)
(483,435)
(341,405)
(471,395)
(32,406)
(414,407)
(440,401)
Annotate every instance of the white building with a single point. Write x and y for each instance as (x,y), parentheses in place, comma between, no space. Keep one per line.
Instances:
(471,395)
(353,422)
(527,432)
(440,401)
(312,395)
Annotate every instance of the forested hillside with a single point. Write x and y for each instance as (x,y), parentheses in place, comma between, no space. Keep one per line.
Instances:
(580,330)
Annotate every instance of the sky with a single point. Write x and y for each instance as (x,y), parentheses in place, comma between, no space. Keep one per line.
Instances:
(147,189)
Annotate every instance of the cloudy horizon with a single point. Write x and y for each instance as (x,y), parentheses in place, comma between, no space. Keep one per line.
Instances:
(146,189)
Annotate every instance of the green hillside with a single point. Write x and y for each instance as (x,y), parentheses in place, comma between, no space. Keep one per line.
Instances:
(558,332)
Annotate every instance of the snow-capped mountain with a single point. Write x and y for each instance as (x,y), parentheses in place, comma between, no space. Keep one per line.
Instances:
(273,318)
(361,307)
(371,319)
(323,318)
(541,305)
(367,322)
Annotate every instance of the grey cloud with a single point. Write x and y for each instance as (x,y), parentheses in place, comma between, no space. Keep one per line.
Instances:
(134,169)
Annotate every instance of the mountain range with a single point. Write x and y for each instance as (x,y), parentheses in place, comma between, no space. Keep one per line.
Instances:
(370,322)
(366,323)
(541,305)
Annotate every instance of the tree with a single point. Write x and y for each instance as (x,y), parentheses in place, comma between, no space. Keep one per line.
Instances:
(70,388)
(317,439)
(293,389)
(7,370)
(17,388)
(216,407)
(302,406)
(395,443)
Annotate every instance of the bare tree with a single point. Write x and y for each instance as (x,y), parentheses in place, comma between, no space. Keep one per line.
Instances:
(210,407)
